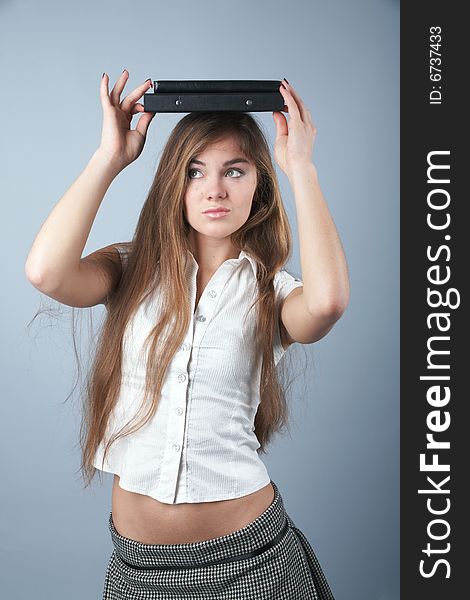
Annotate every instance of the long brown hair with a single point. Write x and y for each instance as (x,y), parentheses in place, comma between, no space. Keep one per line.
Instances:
(158,253)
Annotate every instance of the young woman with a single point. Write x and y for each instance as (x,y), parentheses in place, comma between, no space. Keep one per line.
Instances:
(183,392)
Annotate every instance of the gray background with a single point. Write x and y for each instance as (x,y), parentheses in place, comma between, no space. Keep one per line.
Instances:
(338,471)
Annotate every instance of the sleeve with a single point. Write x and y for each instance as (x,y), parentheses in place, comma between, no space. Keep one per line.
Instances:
(284,283)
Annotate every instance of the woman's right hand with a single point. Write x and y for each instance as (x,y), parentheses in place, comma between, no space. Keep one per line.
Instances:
(119,143)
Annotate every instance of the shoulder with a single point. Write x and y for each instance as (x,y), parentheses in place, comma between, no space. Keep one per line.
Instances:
(284,282)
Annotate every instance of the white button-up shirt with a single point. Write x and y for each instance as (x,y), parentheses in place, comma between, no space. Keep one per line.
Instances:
(200,445)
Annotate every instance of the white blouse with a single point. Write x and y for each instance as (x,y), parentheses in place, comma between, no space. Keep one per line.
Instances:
(200,446)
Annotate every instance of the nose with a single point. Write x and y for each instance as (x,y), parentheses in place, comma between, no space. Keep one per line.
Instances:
(215,188)
(216,195)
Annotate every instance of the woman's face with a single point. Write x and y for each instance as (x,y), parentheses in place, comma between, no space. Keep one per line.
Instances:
(217,185)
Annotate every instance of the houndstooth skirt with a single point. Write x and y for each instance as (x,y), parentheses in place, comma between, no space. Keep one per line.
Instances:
(268,559)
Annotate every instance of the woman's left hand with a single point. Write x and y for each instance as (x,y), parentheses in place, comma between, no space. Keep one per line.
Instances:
(294,140)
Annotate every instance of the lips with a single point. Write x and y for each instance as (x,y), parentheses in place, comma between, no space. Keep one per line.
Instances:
(216,210)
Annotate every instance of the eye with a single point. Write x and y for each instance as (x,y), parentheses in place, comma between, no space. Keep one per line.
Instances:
(239,171)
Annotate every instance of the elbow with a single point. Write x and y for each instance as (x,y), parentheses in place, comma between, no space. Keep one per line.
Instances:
(33,275)
(335,311)
(339,307)
(38,278)
(332,308)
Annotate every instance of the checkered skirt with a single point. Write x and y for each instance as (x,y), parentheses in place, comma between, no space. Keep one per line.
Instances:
(268,559)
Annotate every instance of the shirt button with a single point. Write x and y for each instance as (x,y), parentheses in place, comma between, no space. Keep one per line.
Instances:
(186,346)
(181,377)
(176,447)
(212,293)
(179,410)
(201,318)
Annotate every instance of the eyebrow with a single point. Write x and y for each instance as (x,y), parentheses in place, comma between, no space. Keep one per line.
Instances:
(225,164)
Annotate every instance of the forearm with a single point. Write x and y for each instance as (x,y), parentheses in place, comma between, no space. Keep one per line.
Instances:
(323,263)
(59,244)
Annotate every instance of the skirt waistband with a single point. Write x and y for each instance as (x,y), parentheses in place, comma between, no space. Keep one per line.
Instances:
(265,531)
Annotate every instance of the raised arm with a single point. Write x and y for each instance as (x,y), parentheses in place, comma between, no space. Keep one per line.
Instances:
(308,313)
(54,264)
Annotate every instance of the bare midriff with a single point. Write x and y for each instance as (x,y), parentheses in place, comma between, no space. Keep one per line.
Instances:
(146,520)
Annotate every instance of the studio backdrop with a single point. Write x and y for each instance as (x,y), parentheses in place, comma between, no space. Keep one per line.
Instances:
(338,468)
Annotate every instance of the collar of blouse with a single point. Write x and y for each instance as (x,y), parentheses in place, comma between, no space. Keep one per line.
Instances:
(241,256)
